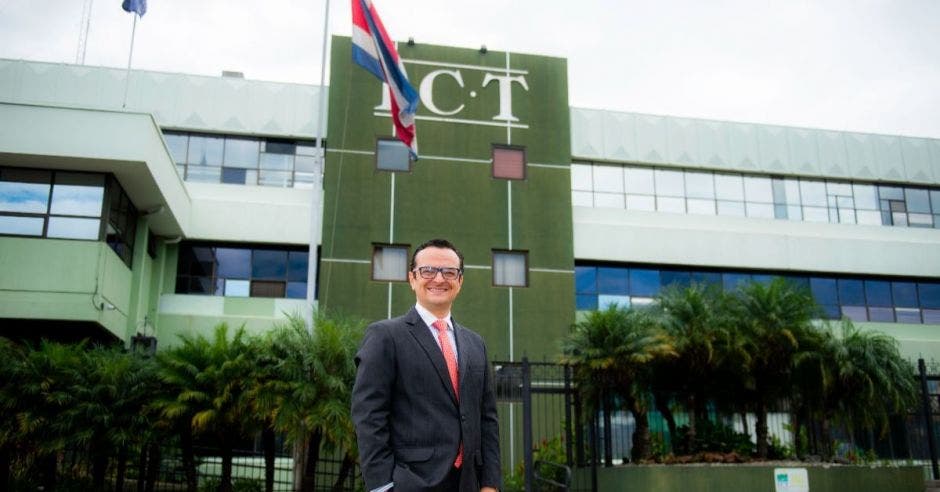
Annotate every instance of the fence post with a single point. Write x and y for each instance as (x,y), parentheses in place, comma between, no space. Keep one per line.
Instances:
(608,431)
(579,429)
(928,418)
(595,452)
(568,423)
(527,423)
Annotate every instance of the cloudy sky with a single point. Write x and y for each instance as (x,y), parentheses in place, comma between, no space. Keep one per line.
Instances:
(859,65)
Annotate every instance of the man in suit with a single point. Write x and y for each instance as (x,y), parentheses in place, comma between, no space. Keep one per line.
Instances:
(423,402)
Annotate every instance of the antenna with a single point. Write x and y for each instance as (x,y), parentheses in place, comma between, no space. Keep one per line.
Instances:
(83,27)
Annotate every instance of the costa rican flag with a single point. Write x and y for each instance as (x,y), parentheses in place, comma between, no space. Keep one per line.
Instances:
(373,50)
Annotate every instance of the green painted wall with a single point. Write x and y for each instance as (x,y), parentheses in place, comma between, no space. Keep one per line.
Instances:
(747,478)
(450,192)
(64,279)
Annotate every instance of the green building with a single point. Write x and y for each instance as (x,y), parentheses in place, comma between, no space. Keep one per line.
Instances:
(196,201)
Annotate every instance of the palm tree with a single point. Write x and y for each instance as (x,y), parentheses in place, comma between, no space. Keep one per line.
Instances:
(10,359)
(208,379)
(315,374)
(774,318)
(863,380)
(708,348)
(612,352)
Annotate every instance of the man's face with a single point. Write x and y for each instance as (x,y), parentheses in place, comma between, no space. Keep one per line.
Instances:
(436,294)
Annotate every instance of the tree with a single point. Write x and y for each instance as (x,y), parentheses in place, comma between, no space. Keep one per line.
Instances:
(710,358)
(775,318)
(611,352)
(207,379)
(861,380)
(313,381)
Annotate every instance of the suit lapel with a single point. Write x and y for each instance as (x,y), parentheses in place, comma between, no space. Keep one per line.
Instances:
(422,334)
(463,352)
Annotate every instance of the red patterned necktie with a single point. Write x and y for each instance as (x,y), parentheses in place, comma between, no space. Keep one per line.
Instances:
(451,360)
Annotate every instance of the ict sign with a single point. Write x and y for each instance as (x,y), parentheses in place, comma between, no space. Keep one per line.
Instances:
(470,83)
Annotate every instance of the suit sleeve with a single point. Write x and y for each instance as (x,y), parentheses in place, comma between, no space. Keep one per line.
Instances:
(371,404)
(489,427)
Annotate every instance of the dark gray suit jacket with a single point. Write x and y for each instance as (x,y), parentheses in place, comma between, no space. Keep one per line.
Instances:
(408,421)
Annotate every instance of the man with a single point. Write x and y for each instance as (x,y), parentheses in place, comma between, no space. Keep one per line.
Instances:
(423,402)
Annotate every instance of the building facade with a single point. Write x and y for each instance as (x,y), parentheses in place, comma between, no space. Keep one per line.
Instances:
(194,200)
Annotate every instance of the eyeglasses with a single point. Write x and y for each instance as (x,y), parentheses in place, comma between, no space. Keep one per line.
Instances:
(429,272)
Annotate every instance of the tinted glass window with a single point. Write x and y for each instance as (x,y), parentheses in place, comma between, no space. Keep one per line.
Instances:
(269,264)
(905,294)
(644,282)
(851,292)
(585,279)
(878,293)
(824,290)
(612,280)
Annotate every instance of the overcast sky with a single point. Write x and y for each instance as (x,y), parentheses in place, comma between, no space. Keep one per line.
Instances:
(858,65)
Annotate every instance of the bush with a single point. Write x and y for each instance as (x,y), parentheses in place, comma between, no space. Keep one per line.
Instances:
(715,437)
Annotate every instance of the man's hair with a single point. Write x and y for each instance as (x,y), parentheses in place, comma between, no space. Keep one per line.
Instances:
(436,243)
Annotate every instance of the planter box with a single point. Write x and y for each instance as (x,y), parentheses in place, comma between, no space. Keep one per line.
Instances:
(751,478)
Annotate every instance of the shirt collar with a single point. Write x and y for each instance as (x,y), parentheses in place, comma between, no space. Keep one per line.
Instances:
(429,318)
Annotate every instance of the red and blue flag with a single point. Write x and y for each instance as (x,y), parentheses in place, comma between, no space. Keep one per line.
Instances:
(373,50)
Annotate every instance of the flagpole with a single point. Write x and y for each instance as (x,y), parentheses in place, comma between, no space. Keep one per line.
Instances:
(130,56)
(315,205)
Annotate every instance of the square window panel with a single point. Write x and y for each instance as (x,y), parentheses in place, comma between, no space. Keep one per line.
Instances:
(203,174)
(932,316)
(268,288)
(760,210)
(267,264)
(77,194)
(813,193)
(641,202)
(613,280)
(581,177)
(917,200)
(855,313)
(510,269)
(233,263)
(639,180)
(509,162)
(296,290)
(241,153)
(851,292)
(392,155)
(176,144)
(585,279)
(907,315)
(582,199)
(706,278)
(881,314)
(205,151)
(699,185)
(701,207)
(671,205)
(586,302)
(390,263)
(815,214)
(237,288)
(899,218)
(846,216)
(758,189)
(608,200)
(644,282)
(608,179)
(21,226)
(28,198)
(824,290)
(733,209)
(866,196)
(780,211)
(669,183)
(878,293)
(838,189)
(277,162)
(868,217)
(233,175)
(73,228)
(904,294)
(929,294)
(795,213)
(297,264)
(604,301)
(729,187)
(675,278)
(306,164)
(920,220)
(831,311)
(206,286)
(274,178)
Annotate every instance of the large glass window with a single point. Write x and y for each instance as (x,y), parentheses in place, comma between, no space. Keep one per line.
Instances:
(796,199)
(241,271)
(857,298)
(243,160)
(67,205)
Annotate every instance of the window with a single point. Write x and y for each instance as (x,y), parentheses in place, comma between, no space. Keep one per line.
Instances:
(67,205)
(696,192)
(242,160)
(510,268)
(241,271)
(390,262)
(508,162)
(873,299)
(392,155)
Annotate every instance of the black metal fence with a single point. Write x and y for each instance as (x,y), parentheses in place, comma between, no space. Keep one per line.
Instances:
(563,444)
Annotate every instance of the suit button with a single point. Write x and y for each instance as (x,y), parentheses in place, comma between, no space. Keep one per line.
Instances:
(463,418)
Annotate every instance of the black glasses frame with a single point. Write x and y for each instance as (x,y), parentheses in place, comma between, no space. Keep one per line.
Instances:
(429,272)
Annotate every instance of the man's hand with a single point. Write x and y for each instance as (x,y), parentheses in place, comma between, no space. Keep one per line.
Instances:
(488,489)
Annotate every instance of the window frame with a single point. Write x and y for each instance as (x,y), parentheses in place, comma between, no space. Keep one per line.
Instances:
(525,161)
(393,139)
(376,247)
(518,252)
